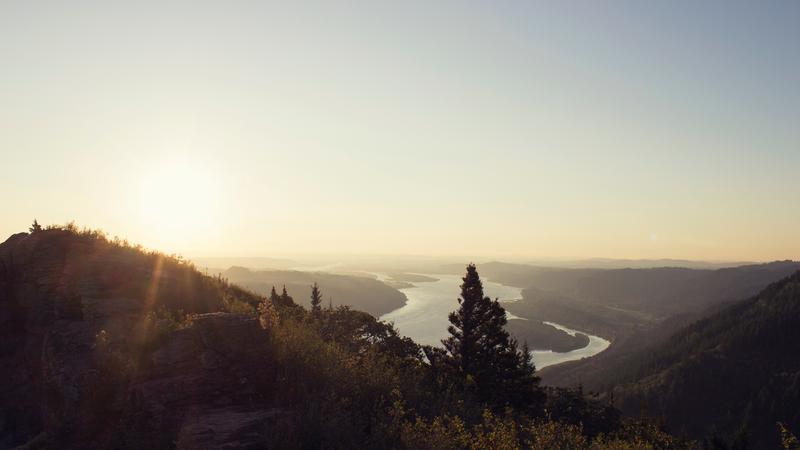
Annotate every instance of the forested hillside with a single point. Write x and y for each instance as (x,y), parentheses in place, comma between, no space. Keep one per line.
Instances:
(736,370)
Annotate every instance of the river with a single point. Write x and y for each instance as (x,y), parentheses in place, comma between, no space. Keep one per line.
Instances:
(424,317)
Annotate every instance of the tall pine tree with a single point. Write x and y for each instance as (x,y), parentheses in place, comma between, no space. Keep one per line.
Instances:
(285,306)
(316,299)
(285,299)
(273,296)
(35,228)
(464,333)
(486,360)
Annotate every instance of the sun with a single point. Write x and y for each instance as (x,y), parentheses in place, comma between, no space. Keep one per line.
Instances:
(178,203)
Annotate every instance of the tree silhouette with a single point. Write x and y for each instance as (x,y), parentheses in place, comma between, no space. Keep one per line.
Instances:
(35,227)
(285,299)
(463,341)
(273,296)
(316,299)
(486,359)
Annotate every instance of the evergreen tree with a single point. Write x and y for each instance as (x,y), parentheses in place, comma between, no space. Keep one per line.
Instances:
(273,296)
(463,341)
(316,299)
(485,358)
(285,298)
(35,227)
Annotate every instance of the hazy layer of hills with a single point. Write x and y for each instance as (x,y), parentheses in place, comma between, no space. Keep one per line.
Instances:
(616,263)
(360,292)
(617,302)
(249,262)
(665,289)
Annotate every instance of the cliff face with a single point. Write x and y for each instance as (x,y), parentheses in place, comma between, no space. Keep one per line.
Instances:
(47,332)
(79,365)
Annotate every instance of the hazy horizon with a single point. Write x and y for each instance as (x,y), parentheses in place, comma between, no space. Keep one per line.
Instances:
(437,264)
(514,131)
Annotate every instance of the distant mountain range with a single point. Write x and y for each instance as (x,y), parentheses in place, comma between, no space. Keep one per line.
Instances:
(613,263)
(249,262)
(656,292)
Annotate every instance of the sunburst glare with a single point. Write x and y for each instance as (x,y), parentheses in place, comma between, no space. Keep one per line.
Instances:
(178,202)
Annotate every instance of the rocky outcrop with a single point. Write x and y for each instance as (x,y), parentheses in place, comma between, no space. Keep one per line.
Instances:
(47,292)
(204,385)
(77,367)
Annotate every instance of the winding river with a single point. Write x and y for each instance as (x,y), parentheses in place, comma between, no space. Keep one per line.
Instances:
(424,317)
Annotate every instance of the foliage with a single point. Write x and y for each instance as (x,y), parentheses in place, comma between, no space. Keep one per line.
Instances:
(482,356)
(575,407)
(159,324)
(35,227)
(338,396)
(267,314)
(788,440)
(359,332)
(510,432)
(316,300)
(233,303)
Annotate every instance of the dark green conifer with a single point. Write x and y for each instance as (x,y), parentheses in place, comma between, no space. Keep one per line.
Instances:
(464,333)
(273,296)
(285,298)
(316,299)
(485,358)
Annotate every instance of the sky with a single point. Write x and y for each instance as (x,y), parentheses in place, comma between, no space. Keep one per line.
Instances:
(505,129)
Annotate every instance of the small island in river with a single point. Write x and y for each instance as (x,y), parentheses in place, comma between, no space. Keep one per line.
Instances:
(541,336)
